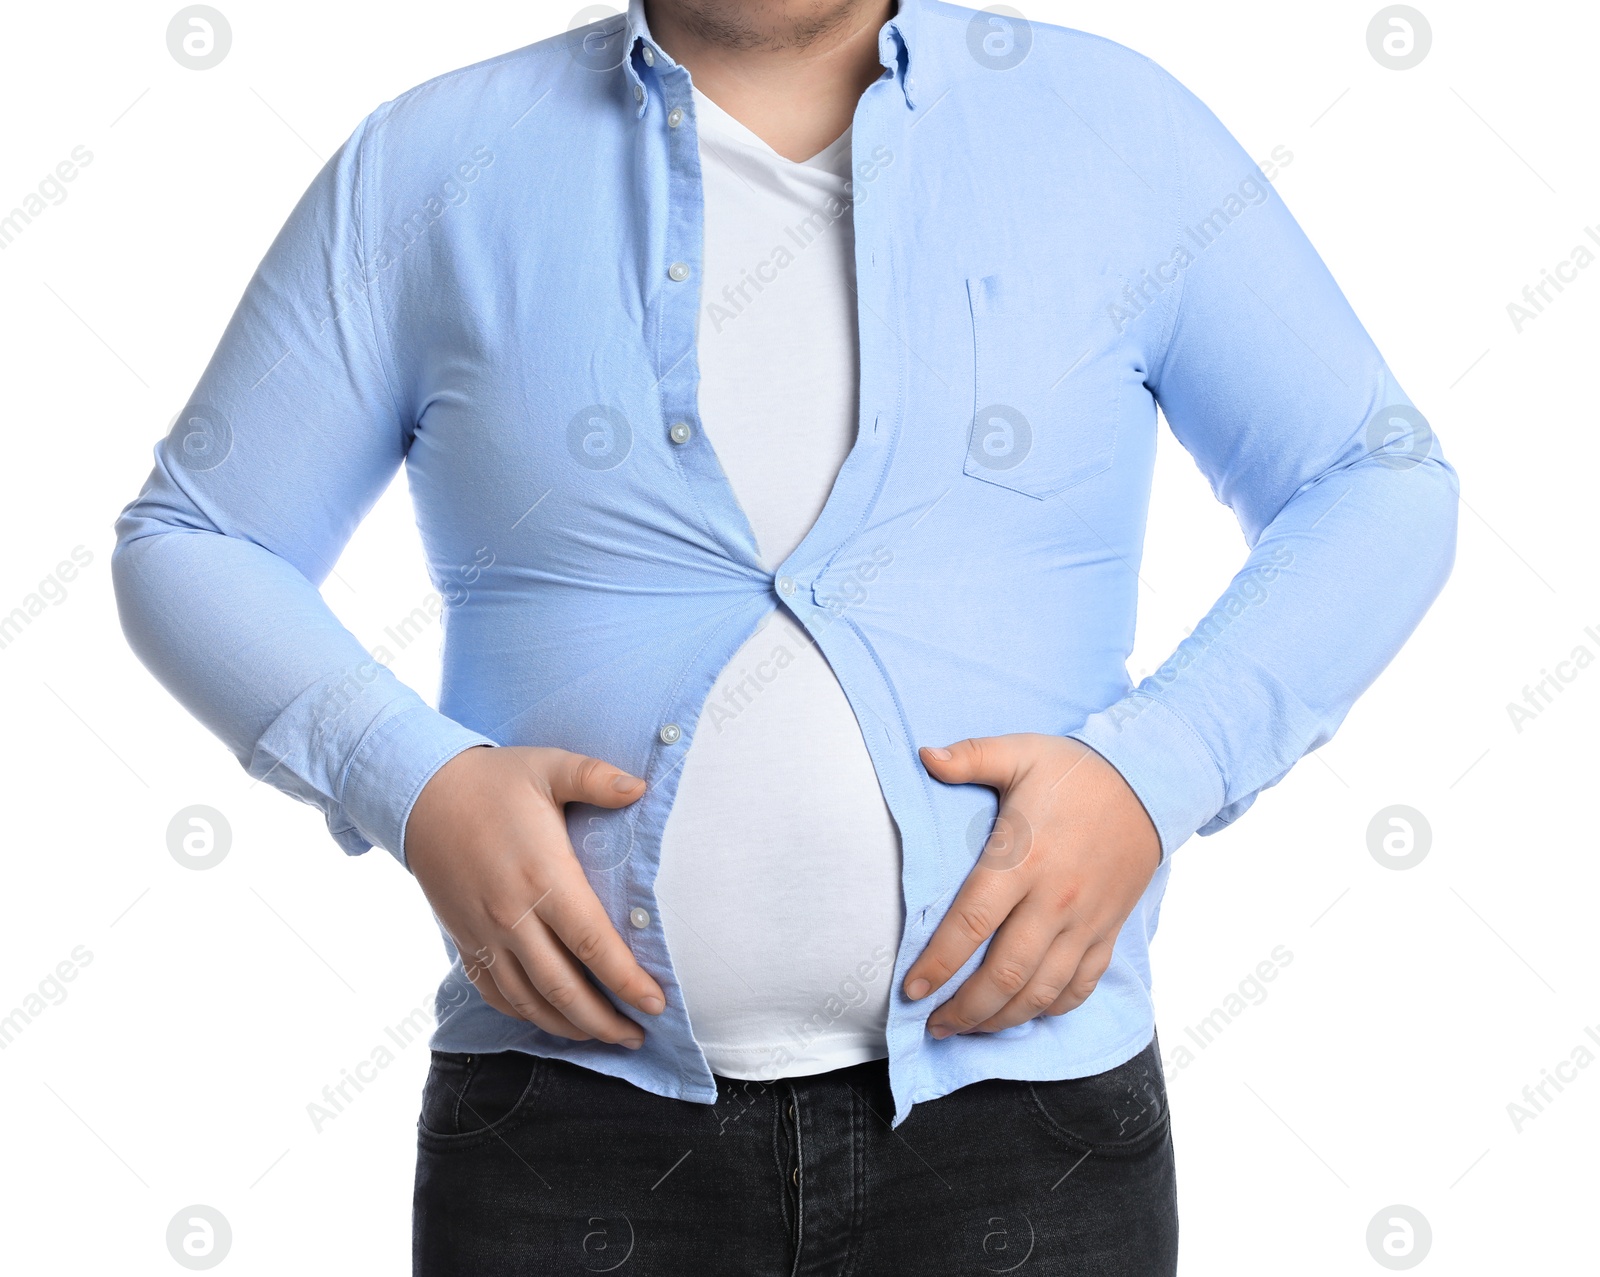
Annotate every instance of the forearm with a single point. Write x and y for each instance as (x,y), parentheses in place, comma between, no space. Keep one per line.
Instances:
(247,644)
(1332,588)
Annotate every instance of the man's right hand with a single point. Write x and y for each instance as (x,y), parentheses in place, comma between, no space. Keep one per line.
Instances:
(487,841)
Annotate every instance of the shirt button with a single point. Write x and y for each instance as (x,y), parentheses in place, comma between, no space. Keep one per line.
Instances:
(674,117)
(680,432)
(678,271)
(638,93)
(649,56)
(639,917)
(795,1176)
(670,734)
(786,586)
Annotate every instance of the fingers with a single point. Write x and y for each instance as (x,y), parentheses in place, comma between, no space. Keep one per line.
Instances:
(1063,982)
(578,920)
(985,900)
(543,975)
(544,930)
(483,970)
(1009,969)
(577,778)
(536,980)
(548,973)
(501,873)
(984,760)
(989,894)
(515,990)
(572,911)
(1096,962)
(569,907)
(1058,875)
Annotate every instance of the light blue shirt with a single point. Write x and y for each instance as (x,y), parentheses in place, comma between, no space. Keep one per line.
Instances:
(496,281)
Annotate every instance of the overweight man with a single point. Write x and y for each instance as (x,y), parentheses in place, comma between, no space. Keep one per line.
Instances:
(776,384)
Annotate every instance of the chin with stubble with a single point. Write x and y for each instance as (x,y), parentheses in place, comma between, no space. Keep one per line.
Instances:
(769,25)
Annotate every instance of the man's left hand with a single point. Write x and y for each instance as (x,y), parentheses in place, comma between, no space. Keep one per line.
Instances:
(1071,852)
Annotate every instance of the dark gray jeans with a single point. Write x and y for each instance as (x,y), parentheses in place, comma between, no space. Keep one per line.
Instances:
(532,1166)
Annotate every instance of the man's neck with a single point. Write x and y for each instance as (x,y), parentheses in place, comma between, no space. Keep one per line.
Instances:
(791,71)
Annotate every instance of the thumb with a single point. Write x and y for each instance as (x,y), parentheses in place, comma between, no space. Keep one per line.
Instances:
(577,778)
(984,760)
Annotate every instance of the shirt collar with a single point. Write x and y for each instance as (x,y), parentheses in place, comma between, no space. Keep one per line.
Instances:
(896,41)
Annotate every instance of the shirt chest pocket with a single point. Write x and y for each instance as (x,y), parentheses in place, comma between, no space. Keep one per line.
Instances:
(1045,403)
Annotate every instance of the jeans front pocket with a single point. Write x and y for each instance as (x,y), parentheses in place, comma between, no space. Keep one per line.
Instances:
(467,1097)
(1120,1111)
(1046,394)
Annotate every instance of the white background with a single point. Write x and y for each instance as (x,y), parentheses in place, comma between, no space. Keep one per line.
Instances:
(218,1004)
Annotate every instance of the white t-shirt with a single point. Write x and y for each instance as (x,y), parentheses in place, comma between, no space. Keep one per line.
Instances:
(780,866)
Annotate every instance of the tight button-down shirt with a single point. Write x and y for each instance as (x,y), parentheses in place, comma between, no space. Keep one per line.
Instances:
(495,282)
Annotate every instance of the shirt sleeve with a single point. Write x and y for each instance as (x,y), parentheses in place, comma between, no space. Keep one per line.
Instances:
(292,434)
(1269,380)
